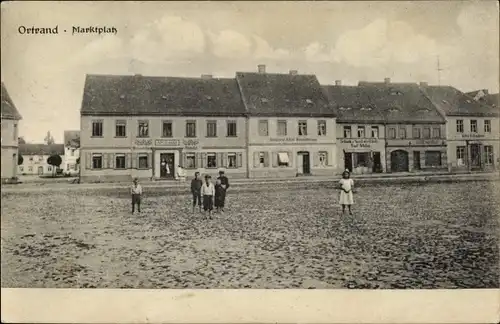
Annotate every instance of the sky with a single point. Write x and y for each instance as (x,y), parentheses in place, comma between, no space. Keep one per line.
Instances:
(348,41)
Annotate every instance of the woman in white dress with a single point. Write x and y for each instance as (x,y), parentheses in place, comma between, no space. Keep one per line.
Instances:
(346,186)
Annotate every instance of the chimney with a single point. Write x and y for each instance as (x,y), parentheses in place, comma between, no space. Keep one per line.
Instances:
(387,80)
(423,84)
(338,82)
(262,68)
(294,72)
(206,76)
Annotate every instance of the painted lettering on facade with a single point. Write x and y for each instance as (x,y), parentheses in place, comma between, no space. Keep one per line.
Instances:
(293,139)
(167,142)
(143,142)
(359,142)
(472,136)
(429,142)
(190,143)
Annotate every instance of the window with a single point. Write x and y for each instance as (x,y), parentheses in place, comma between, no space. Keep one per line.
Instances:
(191,128)
(460,126)
(427,132)
(433,158)
(21,168)
(190,161)
(283,159)
(302,128)
(392,133)
(49,168)
(96,161)
(231,160)
(416,132)
(361,159)
(30,169)
(143,161)
(231,128)
(473,126)
(347,131)
(143,129)
(72,152)
(211,128)
(436,132)
(211,160)
(361,131)
(282,131)
(31,159)
(263,128)
(14,134)
(402,133)
(487,126)
(97,128)
(460,155)
(68,167)
(321,127)
(167,129)
(120,161)
(323,158)
(120,128)
(375,131)
(488,152)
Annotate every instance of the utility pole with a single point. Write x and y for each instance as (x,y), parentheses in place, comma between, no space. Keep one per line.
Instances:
(439,69)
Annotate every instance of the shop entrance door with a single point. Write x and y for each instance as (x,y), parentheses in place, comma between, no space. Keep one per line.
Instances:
(416,160)
(347,161)
(475,156)
(306,162)
(377,162)
(167,166)
(399,161)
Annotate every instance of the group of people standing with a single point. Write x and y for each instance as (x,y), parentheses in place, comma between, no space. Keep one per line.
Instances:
(208,194)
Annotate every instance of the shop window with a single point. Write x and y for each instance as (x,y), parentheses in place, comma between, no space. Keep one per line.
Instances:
(432,158)
(190,161)
(97,161)
(231,160)
(283,159)
(361,131)
(487,126)
(321,127)
(143,162)
(263,128)
(473,126)
(460,155)
(302,128)
(347,132)
(282,131)
(211,160)
(460,126)
(143,129)
(375,131)
(323,158)
(120,161)
(211,128)
(361,160)
(488,151)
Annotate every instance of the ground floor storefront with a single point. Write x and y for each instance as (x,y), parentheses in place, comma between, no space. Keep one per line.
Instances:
(160,163)
(277,161)
(474,155)
(362,155)
(416,158)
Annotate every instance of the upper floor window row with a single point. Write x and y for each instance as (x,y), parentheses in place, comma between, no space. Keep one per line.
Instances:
(282,128)
(361,132)
(474,127)
(167,128)
(417,133)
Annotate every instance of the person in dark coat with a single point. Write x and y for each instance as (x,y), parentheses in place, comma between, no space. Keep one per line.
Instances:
(219,195)
(196,184)
(225,185)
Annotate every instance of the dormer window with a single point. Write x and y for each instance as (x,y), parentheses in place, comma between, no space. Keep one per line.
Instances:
(366,108)
(208,97)
(164,97)
(309,101)
(122,96)
(264,100)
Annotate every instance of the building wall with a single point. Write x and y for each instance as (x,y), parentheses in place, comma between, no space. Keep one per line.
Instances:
(9,145)
(267,148)
(411,145)
(37,165)
(200,147)
(366,144)
(465,139)
(71,156)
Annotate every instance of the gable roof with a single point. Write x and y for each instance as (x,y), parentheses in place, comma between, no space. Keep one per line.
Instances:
(401,102)
(352,105)
(8,109)
(452,102)
(72,138)
(41,149)
(146,95)
(269,94)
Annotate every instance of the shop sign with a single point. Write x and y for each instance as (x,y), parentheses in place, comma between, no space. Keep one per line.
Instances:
(429,142)
(359,142)
(167,142)
(293,139)
(473,136)
(191,143)
(143,142)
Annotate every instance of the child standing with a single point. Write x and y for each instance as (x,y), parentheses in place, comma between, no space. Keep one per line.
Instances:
(208,192)
(196,185)
(136,192)
(219,196)
(346,186)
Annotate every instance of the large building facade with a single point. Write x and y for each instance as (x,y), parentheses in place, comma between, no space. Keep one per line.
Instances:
(291,125)
(148,127)
(10,118)
(472,129)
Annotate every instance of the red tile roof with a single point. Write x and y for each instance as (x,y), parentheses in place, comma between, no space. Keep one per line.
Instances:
(9,110)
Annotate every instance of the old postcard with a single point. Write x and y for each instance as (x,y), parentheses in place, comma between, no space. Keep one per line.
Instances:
(250,162)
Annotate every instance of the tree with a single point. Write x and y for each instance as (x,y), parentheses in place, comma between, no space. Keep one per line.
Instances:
(49,139)
(54,160)
(20,159)
(21,140)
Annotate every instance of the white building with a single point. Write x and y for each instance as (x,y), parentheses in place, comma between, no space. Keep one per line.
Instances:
(71,152)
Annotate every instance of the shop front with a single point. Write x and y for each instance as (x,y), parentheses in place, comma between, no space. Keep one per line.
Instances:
(416,155)
(474,153)
(362,155)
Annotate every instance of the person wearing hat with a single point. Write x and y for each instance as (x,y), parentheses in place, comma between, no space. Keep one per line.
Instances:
(224,182)
(346,186)
(136,191)
(208,192)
